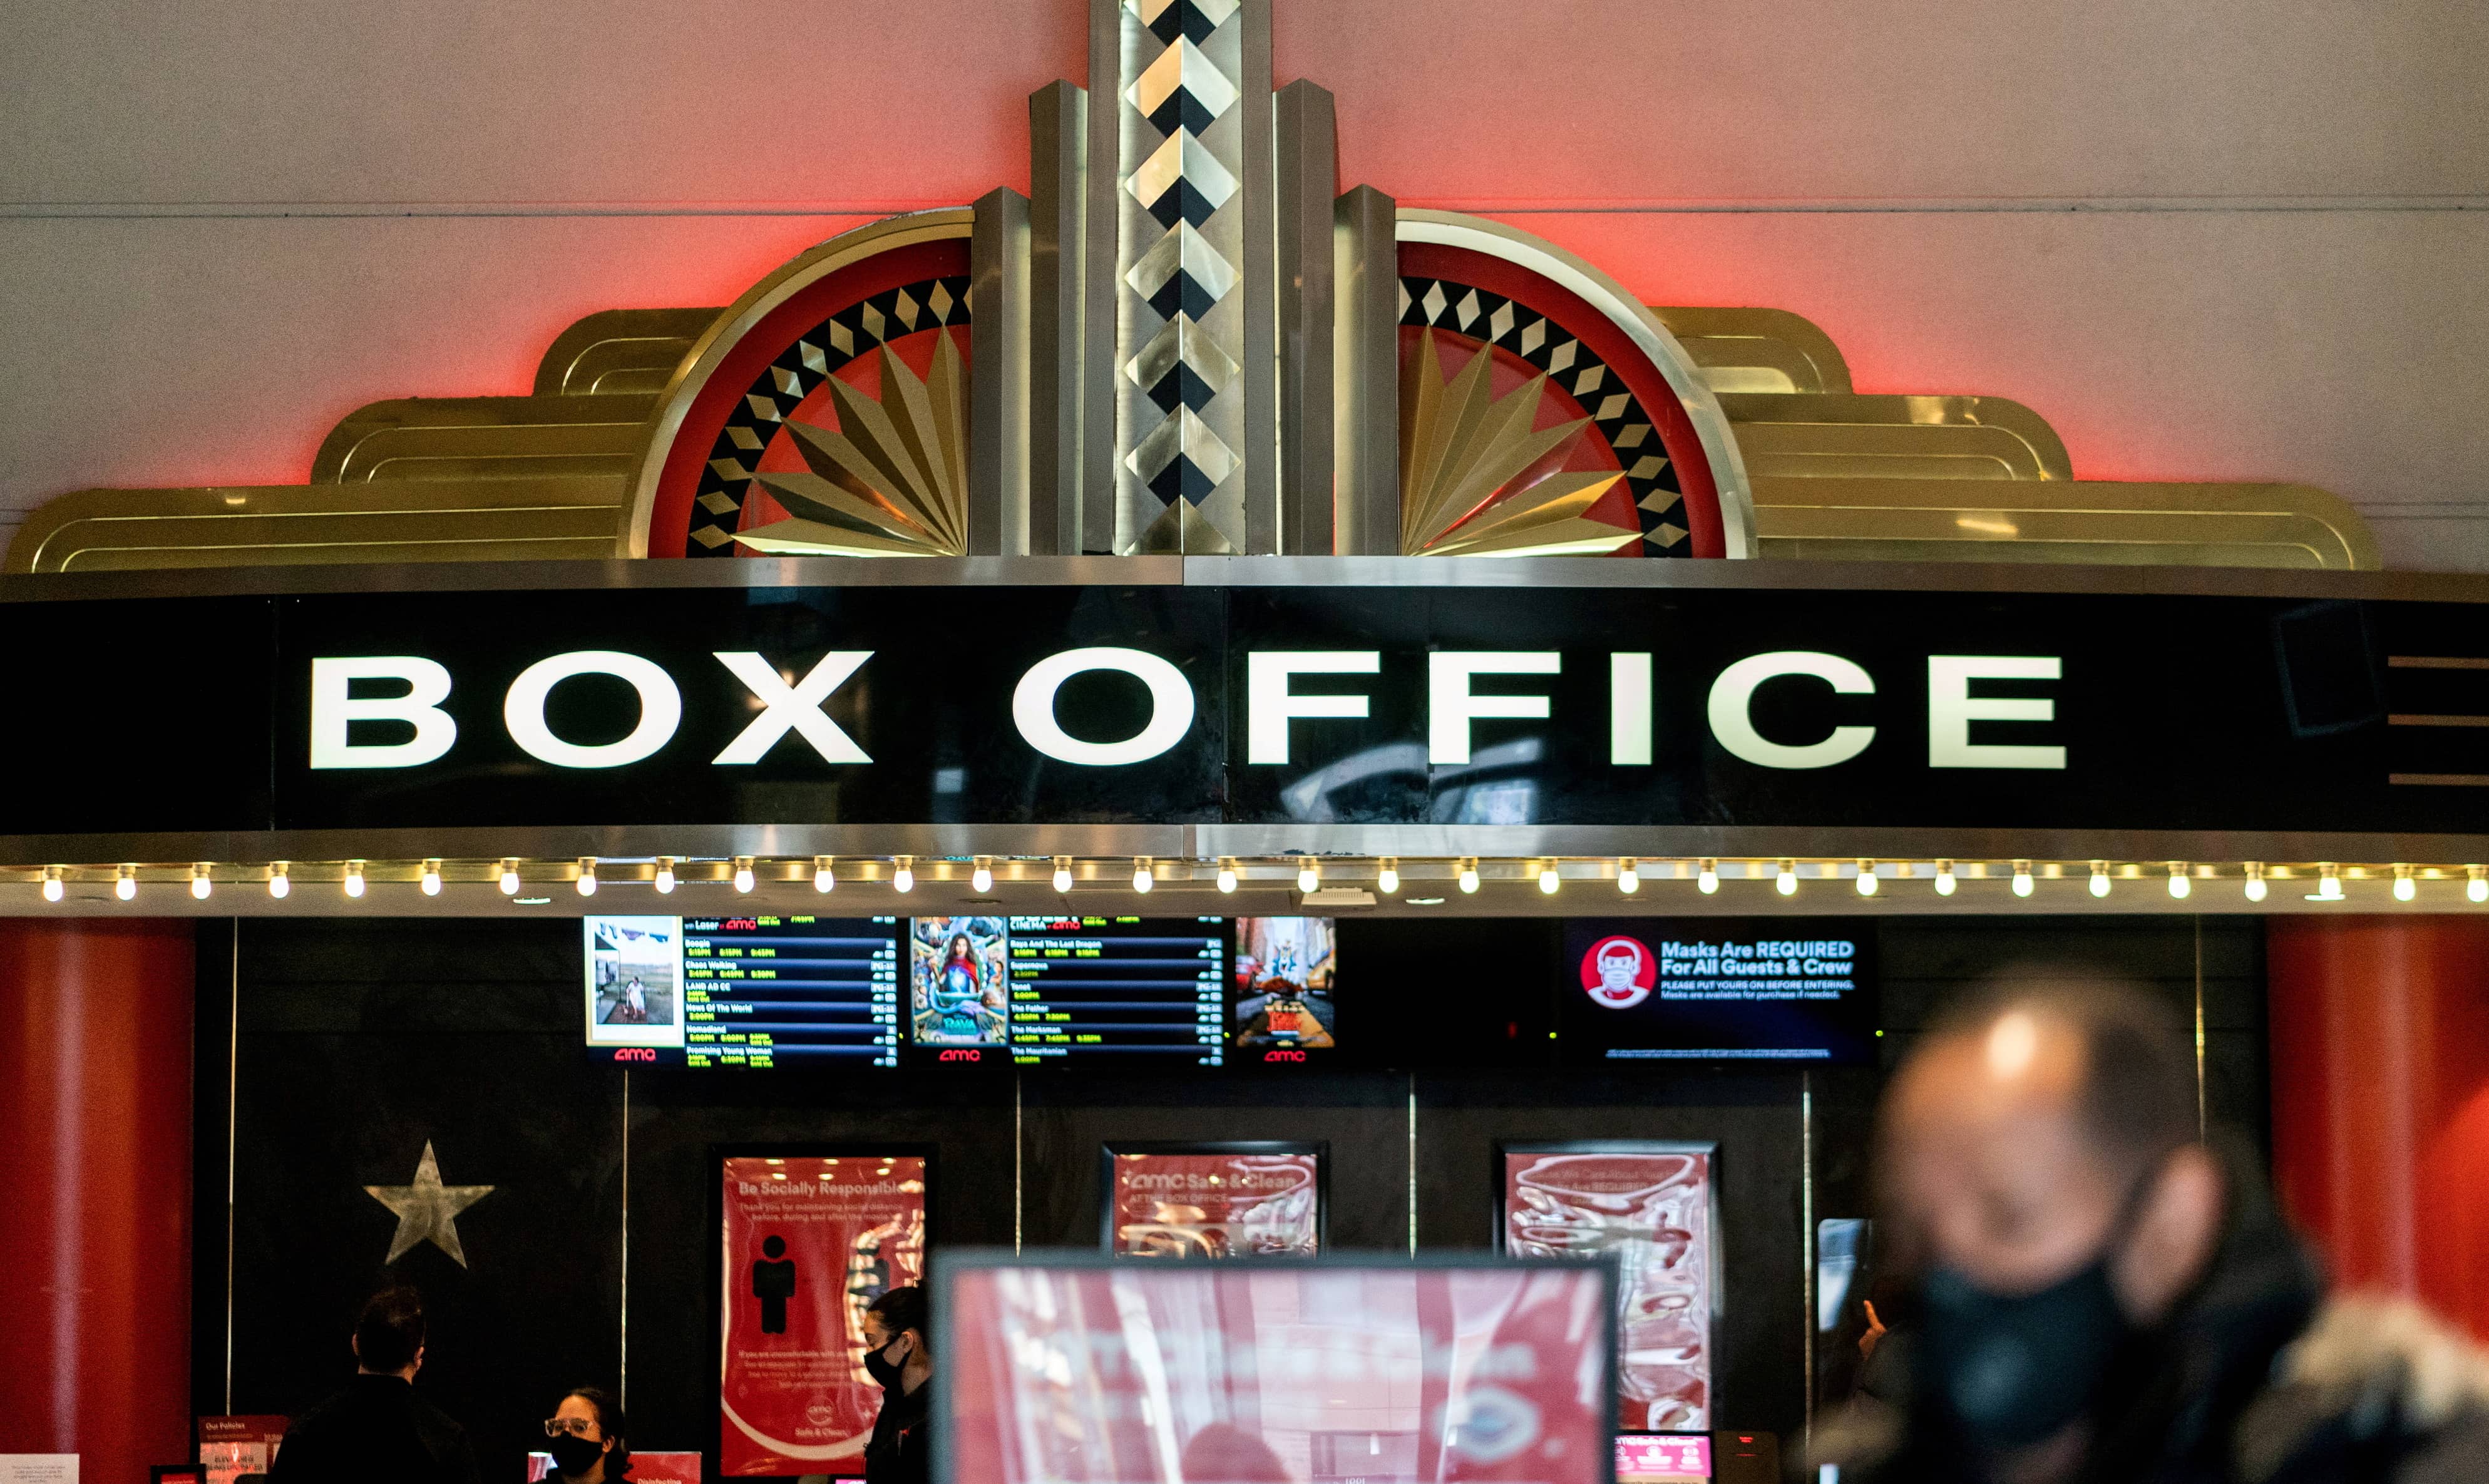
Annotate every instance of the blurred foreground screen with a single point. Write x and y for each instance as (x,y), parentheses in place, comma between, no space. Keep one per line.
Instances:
(1070,1371)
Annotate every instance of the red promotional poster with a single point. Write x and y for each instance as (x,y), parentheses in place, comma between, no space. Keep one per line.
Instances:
(230,1447)
(1214,1200)
(1658,1459)
(1648,1207)
(665,1467)
(811,1241)
(1226,1373)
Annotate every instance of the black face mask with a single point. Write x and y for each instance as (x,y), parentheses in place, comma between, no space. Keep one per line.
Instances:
(879,1369)
(2016,1370)
(573,1454)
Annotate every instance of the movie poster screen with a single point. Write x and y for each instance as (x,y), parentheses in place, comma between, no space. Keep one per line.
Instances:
(960,981)
(1282,995)
(1649,1207)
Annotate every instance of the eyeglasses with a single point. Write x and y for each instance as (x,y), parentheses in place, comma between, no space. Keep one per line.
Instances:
(577,1427)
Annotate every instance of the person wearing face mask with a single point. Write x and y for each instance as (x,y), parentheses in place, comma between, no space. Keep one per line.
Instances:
(896,1356)
(2103,1295)
(378,1431)
(586,1438)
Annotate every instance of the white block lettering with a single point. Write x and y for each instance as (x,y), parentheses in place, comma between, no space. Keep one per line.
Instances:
(1732,698)
(1951,708)
(661,708)
(1270,706)
(795,708)
(1450,707)
(1629,710)
(1171,707)
(333,709)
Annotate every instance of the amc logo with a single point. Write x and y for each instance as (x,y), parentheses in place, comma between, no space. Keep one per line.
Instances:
(963,1056)
(634,1054)
(1284,1056)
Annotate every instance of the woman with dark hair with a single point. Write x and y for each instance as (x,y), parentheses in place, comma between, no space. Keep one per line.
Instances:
(585,1436)
(896,1356)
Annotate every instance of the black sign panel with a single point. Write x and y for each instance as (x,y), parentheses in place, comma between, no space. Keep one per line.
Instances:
(1316,706)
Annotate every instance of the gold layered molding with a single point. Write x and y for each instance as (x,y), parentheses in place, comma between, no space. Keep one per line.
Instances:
(1835,474)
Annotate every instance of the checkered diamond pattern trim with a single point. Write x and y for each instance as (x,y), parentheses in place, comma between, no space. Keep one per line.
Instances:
(827,348)
(1659,503)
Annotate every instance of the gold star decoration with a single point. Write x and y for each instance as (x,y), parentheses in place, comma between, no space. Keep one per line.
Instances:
(427,1210)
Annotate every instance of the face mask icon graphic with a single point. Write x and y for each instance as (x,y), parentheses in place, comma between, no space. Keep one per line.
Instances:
(1618,973)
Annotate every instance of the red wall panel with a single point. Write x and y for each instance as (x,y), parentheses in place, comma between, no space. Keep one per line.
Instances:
(95,1193)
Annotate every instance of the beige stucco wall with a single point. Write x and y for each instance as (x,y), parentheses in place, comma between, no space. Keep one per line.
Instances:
(2225,241)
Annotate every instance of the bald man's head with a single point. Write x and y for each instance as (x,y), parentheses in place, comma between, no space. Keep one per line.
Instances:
(2124,1060)
(2021,1126)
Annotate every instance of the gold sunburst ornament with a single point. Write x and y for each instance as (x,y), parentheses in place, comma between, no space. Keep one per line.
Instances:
(891,481)
(1479,479)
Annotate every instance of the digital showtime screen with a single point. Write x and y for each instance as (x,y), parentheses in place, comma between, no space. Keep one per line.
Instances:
(1717,990)
(753,992)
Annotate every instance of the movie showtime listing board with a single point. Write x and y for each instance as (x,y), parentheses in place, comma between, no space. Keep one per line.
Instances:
(1131,988)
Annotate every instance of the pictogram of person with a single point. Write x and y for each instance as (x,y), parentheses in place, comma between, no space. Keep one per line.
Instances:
(773,1283)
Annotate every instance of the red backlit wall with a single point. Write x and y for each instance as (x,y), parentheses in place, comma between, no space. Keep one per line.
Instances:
(2381,1100)
(95,1193)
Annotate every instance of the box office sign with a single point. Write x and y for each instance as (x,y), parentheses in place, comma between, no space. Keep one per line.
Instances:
(1271,705)
(811,1239)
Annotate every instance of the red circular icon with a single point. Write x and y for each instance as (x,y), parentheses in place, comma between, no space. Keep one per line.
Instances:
(1618,972)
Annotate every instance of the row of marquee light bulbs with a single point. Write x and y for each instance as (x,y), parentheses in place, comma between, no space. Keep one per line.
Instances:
(1468,872)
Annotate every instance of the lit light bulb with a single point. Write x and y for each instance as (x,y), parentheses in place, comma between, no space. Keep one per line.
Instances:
(1945,882)
(1227,873)
(1309,879)
(1144,875)
(1388,879)
(826,876)
(354,879)
(281,881)
(2405,888)
(903,879)
(201,883)
(2477,888)
(509,880)
(2179,885)
(1062,874)
(588,875)
(743,877)
(2021,879)
(1547,880)
(2100,878)
(1709,880)
(1784,879)
(1628,876)
(431,878)
(52,889)
(981,879)
(2328,883)
(124,882)
(2256,881)
(1867,882)
(1469,881)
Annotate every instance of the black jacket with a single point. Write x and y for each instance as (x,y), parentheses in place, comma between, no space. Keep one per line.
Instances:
(2257,1379)
(377,1431)
(899,1450)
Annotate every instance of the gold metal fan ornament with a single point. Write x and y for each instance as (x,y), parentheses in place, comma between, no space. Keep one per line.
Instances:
(891,481)
(1479,479)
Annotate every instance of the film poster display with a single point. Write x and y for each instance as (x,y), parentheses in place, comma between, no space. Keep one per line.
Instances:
(960,981)
(811,1240)
(1214,1200)
(1651,1208)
